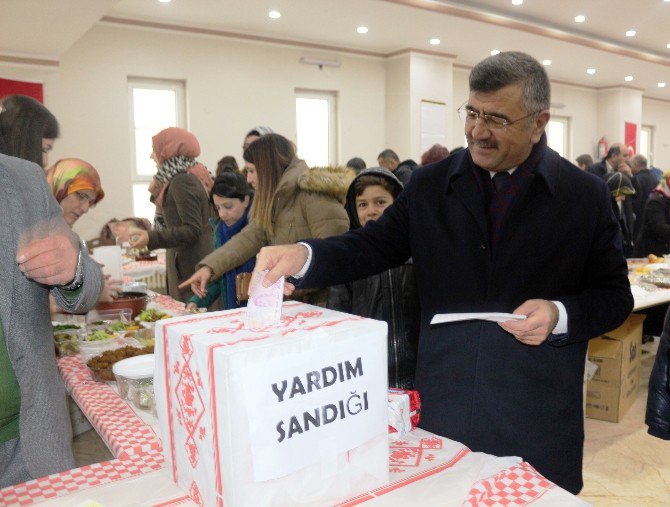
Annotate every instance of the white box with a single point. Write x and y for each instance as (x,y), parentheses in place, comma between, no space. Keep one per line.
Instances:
(295,413)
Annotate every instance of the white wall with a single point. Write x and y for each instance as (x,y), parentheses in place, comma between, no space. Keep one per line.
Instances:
(231,86)
(431,79)
(580,106)
(656,114)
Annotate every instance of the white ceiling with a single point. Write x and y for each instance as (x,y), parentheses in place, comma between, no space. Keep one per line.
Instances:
(468,29)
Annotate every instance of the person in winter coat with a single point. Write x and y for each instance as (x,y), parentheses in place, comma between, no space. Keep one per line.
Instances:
(291,203)
(180,191)
(231,197)
(658,401)
(390,296)
(623,191)
(655,235)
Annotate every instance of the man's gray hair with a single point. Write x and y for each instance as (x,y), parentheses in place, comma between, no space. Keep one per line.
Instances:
(514,67)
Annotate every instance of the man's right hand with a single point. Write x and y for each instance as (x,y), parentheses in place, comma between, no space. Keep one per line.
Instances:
(283,260)
(198,281)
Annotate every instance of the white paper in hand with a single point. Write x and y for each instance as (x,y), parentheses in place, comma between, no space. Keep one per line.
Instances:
(442,318)
(264,305)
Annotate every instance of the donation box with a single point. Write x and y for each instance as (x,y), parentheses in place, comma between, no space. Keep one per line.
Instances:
(290,414)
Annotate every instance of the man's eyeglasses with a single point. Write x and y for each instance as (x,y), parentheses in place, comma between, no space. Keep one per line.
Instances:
(469,115)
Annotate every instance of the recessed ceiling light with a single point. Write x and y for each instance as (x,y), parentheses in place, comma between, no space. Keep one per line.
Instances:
(580,19)
(591,71)
(630,33)
(165,1)
(662,84)
(628,78)
(517,2)
(495,52)
(546,62)
(274,14)
(435,42)
(362,29)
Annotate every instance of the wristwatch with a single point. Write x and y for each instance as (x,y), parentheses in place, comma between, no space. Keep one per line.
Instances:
(78,279)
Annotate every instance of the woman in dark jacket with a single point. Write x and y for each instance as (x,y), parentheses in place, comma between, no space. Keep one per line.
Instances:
(655,235)
(390,296)
(658,402)
(180,191)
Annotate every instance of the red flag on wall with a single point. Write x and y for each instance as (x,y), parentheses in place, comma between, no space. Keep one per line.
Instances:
(11,87)
(630,137)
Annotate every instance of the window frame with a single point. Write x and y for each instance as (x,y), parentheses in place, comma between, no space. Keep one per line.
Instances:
(177,86)
(565,120)
(331,96)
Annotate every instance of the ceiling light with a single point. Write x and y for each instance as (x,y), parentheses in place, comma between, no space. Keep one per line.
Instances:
(628,78)
(662,84)
(546,62)
(517,2)
(165,1)
(362,29)
(630,33)
(495,52)
(274,14)
(435,42)
(580,19)
(591,71)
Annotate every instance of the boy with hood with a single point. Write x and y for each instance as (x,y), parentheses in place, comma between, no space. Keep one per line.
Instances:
(390,296)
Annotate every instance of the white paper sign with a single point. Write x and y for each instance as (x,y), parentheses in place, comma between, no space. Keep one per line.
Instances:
(442,318)
(312,405)
(110,258)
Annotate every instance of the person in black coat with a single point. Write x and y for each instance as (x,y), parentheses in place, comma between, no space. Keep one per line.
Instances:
(658,401)
(543,244)
(616,155)
(654,237)
(644,182)
(622,205)
(391,295)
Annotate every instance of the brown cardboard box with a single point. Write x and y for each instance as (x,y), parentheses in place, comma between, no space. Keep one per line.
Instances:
(613,388)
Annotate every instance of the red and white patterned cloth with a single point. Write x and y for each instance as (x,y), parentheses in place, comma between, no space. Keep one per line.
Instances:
(119,426)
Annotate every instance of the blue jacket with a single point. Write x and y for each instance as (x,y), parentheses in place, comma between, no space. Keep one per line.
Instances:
(224,287)
(559,241)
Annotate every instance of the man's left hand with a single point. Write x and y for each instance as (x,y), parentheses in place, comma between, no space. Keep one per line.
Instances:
(49,261)
(541,318)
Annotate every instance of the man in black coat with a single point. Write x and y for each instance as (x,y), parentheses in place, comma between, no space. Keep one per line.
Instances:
(644,182)
(541,243)
(617,154)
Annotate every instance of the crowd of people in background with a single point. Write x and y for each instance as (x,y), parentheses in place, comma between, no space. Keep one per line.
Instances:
(214,225)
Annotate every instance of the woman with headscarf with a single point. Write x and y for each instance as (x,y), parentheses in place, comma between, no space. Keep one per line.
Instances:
(76,186)
(180,191)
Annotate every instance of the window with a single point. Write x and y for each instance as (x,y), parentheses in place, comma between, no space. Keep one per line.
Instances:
(646,143)
(154,106)
(557,135)
(316,127)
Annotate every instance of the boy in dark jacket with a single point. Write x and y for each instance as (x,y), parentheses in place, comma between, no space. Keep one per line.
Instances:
(389,296)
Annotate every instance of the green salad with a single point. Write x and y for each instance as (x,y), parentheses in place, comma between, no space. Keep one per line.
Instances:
(99,335)
(152,315)
(63,327)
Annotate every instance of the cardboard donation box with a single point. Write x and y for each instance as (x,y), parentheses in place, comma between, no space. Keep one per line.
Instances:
(289,414)
(613,388)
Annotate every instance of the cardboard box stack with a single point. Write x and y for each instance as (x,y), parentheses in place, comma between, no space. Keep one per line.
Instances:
(613,388)
(290,414)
